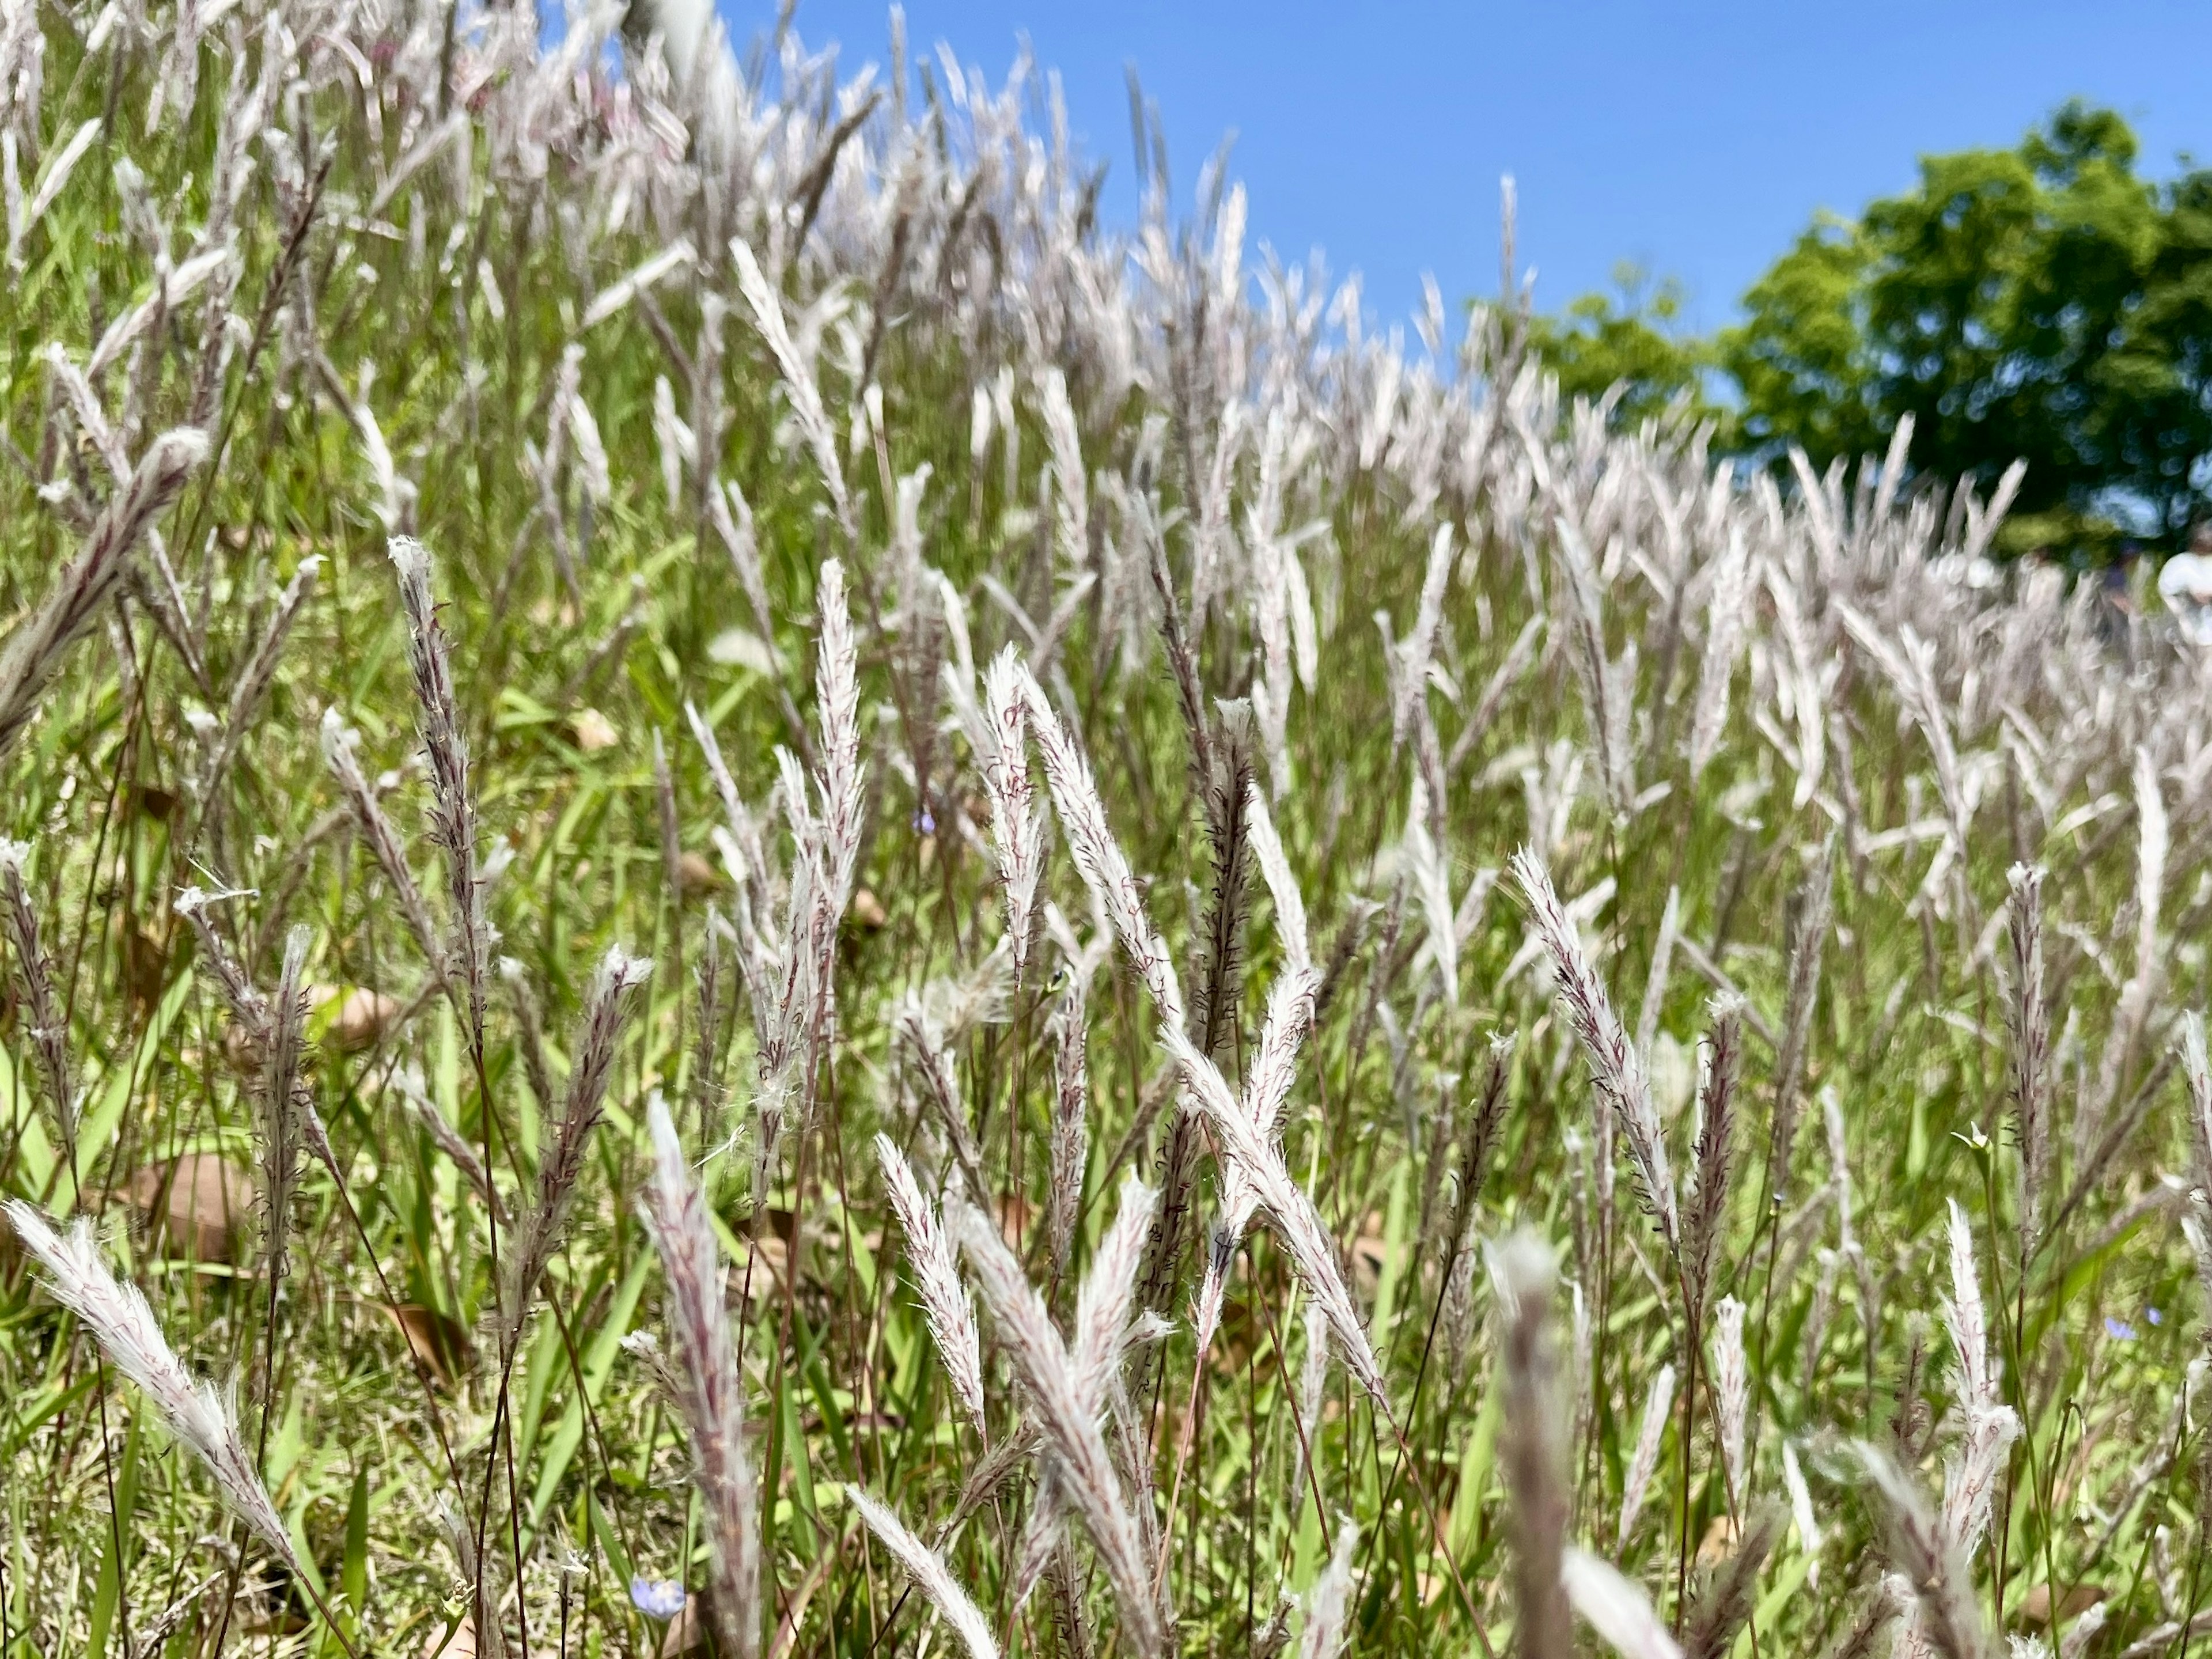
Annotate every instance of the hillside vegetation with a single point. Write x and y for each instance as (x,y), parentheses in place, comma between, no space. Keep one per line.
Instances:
(765,898)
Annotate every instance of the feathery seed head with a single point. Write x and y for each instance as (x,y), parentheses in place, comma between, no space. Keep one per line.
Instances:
(124,1327)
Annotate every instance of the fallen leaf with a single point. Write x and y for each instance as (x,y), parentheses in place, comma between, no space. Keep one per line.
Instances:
(461,1645)
(363,1016)
(778,1231)
(202,1198)
(272,1606)
(1369,1254)
(2035,1605)
(774,1256)
(155,802)
(145,965)
(1719,1539)
(736,647)
(686,1634)
(436,1338)
(794,1612)
(594,731)
(1237,1337)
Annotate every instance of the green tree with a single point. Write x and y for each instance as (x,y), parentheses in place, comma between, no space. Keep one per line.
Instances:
(1630,338)
(2044,301)
(2156,425)
(1800,361)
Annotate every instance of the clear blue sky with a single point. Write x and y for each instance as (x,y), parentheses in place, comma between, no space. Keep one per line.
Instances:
(1695,139)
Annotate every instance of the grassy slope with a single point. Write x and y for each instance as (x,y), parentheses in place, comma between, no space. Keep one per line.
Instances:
(1909,1032)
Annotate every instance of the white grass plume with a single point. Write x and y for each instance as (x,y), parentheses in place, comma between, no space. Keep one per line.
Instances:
(1423,865)
(1329,1600)
(1313,1391)
(1616,1068)
(838,702)
(1732,1385)
(47,1027)
(1614,1607)
(914,1029)
(1801,1515)
(2028,1027)
(937,1277)
(928,1571)
(1070,482)
(281,1125)
(35,648)
(1106,1300)
(340,746)
(1410,658)
(1066,1411)
(1266,1087)
(752,868)
(408,1084)
(1016,825)
(1259,1165)
(124,1327)
(53,173)
(1643,1462)
(1098,857)
(799,384)
(1942,1611)
(617,294)
(712,1385)
(1706,1223)
(2197,1224)
(1972,1471)
(453,812)
(598,1030)
(1071,1112)
(1725,616)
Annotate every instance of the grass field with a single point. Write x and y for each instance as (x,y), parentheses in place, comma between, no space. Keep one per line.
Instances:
(786,904)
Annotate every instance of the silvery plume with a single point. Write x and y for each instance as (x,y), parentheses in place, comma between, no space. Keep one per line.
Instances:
(123,1324)
(711,1384)
(1067,1384)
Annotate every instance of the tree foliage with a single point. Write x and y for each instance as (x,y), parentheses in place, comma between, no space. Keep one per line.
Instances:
(1631,339)
(2046,302)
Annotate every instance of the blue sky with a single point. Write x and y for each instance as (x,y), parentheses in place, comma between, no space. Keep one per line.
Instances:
(1695,139)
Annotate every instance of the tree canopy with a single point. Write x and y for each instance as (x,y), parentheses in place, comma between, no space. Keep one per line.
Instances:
(1630,338)
(2047,302)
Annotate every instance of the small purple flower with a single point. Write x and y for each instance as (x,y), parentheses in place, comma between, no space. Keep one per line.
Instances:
(2155,1315)
(924,823)
(657,1598)
(2119,1330)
